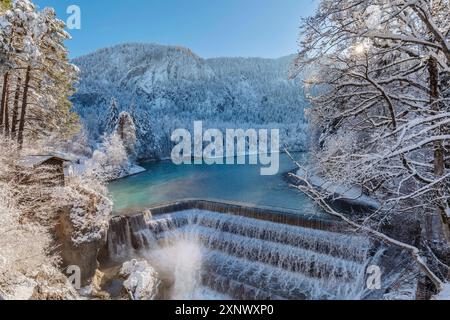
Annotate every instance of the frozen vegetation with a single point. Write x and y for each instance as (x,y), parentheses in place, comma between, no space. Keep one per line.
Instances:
(380,114)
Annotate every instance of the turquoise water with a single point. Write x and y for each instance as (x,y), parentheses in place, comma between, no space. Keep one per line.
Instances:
(164,181)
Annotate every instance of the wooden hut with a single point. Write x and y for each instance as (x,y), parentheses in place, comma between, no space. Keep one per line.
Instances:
(56,162)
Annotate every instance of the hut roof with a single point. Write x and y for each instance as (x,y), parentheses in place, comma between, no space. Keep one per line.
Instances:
(37,160)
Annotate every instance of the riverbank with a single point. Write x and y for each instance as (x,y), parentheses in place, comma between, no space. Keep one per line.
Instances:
(79,168)
(349,198)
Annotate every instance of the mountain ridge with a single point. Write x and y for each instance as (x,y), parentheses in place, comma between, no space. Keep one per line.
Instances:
(169,87)
(181,47)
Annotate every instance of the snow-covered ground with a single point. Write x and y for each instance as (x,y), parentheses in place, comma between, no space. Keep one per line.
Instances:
(135,169)
(444,294)
(80,169)
(351,194)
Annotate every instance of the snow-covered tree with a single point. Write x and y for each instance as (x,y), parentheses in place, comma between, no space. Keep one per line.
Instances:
(56,81)
(36,76)
(126,130)
(379,74)
(110,161)
(112,117)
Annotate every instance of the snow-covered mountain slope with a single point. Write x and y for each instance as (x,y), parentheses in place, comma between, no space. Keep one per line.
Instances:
(166,87)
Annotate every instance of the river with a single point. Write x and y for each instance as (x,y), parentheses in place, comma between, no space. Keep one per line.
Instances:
(164,182)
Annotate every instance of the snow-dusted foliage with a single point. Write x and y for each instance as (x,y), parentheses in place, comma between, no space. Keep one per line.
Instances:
(165,88)
(35,118)
(110,161)
(27,255)
(23,247)
(78,145)
(379,81)
(126,130)
(36,76)
(112,116)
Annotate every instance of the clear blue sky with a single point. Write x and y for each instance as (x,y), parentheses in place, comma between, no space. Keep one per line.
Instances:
(211,28)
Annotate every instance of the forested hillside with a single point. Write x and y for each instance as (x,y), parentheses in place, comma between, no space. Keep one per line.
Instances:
(165,88)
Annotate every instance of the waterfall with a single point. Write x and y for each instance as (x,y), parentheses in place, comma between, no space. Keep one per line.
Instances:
(204,254)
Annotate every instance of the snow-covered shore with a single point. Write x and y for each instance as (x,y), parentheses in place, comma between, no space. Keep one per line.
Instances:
(352,195)
(80,169)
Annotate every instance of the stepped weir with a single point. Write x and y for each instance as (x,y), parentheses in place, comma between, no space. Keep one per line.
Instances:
(214,250)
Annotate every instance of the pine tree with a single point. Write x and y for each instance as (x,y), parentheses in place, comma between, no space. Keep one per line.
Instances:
(4,99)
(24,107)
(112,117)
(126,131)
(33,49)
(15,112)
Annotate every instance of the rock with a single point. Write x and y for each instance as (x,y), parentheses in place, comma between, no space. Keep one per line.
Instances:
(84,255)
(51,284)
(95,289)
(97,286)
(142,281)
(46,283)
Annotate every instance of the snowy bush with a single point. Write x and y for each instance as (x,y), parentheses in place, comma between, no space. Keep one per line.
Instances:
(110,161)
(26,245)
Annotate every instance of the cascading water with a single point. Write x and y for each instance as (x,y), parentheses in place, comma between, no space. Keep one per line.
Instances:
(202,254)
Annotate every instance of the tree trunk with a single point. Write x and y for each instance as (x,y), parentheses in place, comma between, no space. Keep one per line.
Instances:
(4,98)
(15,114)
(23,112)
(434,101)
(6,116)
(439,152)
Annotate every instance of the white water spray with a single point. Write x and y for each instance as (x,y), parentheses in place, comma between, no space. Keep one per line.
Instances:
(207,255)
